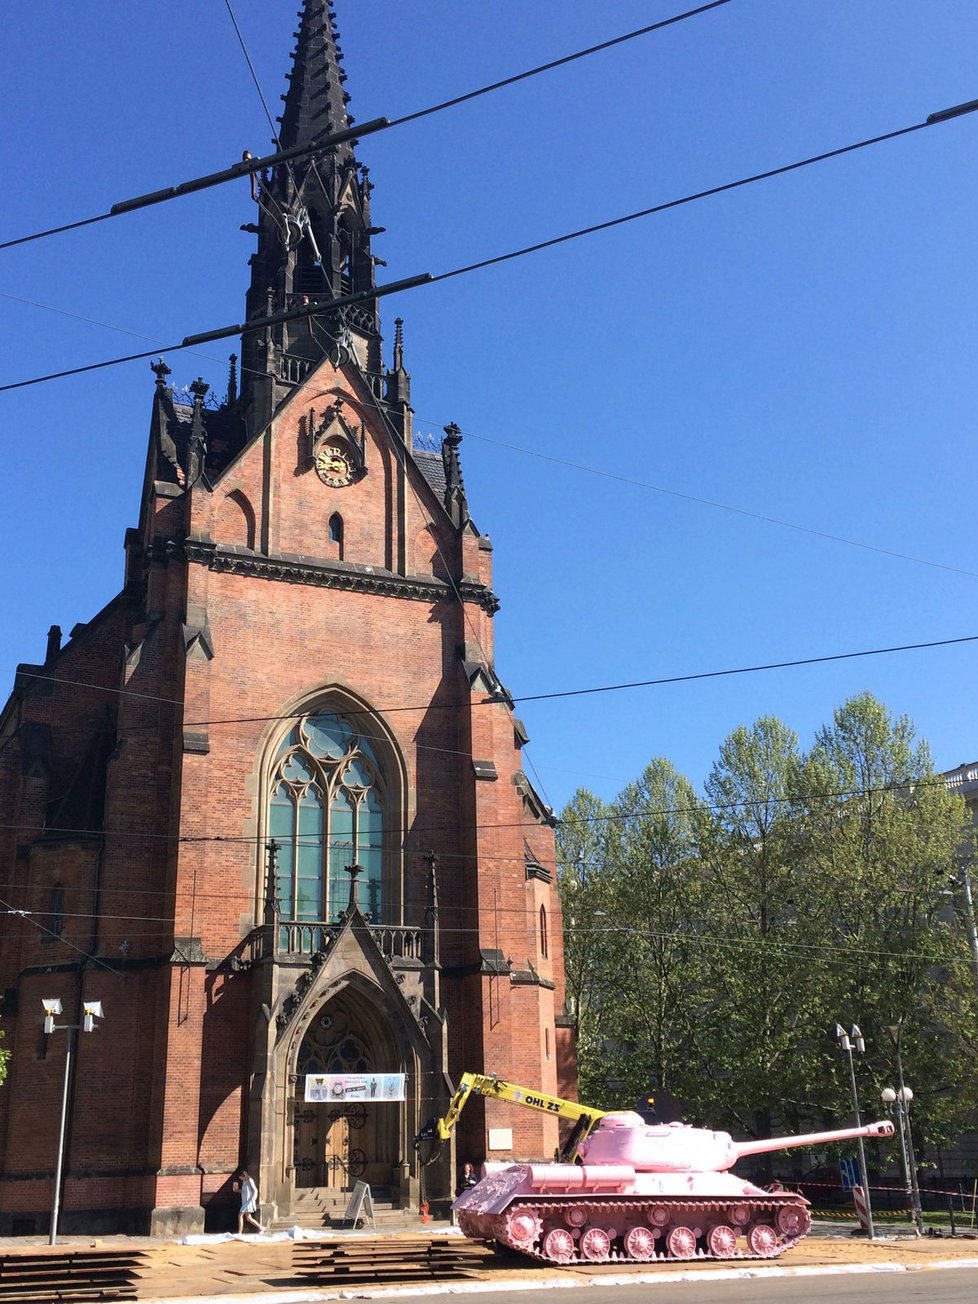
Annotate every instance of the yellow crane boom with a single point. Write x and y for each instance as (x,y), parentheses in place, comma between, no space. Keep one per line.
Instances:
(584,1117)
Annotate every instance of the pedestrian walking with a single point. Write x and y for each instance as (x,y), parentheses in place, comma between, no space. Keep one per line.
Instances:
(245,1185)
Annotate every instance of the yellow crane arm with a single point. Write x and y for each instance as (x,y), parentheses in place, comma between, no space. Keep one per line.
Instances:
(584,1117)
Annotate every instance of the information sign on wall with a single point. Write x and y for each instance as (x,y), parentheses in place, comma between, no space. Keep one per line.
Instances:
(342,1087)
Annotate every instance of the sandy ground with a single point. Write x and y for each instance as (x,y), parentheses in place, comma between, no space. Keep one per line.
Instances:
(236,1267)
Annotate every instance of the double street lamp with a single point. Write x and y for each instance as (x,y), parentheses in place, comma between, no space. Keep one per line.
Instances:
(91,1010)
(901,1098)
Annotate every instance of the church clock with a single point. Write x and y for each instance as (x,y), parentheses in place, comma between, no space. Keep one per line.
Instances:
(333,466)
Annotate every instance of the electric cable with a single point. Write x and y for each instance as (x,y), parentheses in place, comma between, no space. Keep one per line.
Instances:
(759,943)
(496,699)
(427,278)
(896,787)
(26,914)
(583,467)
(250,166)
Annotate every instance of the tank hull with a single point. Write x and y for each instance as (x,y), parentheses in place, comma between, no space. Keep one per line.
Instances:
(636,1229)
(568,1213)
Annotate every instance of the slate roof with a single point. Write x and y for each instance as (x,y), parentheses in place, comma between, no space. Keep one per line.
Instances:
(432,467)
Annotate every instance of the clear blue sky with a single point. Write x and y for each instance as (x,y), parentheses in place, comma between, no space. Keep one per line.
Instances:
(803,349)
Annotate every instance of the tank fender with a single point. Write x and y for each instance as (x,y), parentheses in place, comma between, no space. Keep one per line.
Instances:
(576,1177)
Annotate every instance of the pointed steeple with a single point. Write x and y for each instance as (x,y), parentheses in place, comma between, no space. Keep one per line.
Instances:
(313,234)
(315,103)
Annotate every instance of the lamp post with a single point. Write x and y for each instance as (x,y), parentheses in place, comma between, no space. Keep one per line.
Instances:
(847,1041)
(904,1096)
(901,1101)
(91,1010)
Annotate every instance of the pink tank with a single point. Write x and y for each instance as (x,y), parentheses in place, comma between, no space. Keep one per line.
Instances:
(643,1191)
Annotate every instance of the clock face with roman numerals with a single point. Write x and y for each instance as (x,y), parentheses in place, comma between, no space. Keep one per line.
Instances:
(333,466)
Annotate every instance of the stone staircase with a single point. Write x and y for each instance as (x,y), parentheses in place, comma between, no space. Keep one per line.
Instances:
(323,1208)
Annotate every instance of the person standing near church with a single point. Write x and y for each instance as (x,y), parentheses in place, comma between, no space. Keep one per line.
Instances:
(249,1201)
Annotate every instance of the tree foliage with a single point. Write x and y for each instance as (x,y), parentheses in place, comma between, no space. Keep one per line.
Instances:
(713,943)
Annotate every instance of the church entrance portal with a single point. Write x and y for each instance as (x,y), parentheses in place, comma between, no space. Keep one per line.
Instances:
(337,1144)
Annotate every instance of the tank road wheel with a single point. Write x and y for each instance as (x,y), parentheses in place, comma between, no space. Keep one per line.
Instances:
(681,1243)
(793,1221)
(739,1215)
(575,1215)
(722,1241)
(558,1246)
(640,1244)
(763,1241)
(596,1245)
(658,1215)
(523,1226)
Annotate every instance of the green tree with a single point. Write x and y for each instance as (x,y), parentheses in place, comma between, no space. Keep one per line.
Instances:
(589,948)
(884,833)
(653,903)
(711,947)
(764,997)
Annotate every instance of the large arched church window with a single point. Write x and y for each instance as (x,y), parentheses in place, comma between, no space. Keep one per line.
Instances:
(326,813)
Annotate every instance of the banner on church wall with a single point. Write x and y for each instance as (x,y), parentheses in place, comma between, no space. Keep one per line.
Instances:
(342,1087)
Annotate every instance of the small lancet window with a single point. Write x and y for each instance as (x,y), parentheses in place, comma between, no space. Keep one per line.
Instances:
(544,942)
(56,915)
(334,532)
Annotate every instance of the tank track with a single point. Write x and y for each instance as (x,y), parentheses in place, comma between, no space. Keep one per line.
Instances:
(644,1230)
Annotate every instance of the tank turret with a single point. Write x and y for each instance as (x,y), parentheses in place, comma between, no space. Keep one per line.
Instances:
(643,1191)
(680,1148)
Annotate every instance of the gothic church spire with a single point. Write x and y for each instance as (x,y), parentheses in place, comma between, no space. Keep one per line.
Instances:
(314,232)
(315,103)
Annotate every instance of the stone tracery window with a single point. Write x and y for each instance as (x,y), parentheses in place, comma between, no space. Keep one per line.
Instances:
(326,813)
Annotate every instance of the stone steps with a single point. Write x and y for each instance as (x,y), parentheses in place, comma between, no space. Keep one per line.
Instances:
(323,1208)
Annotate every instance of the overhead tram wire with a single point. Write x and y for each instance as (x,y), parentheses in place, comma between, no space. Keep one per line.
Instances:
(428,278)
(226,332)
(584,467)
(249,166)
(608,816)
(246,167)
(770,942)
(495,699)
(603,472)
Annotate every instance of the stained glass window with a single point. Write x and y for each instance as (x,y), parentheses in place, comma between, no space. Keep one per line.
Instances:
(326,812)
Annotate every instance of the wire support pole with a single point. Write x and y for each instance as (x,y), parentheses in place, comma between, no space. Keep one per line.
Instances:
(62,1129)
(904,1113)
(964,872)
(864,1171)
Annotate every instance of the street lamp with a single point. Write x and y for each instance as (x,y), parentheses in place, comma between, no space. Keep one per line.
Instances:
(904,1095)
(901,1099)
(91,1010)
(847,1041)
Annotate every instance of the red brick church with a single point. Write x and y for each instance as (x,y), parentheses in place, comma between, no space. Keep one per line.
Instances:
(267,805)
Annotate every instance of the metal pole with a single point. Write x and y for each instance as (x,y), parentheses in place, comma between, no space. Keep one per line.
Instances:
(904,1161)
(56,1204)
(862,1149)
(918,1215)
(969,914)
(918,1212)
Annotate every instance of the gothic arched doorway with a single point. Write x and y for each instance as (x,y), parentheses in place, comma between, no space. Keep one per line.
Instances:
(338,1143)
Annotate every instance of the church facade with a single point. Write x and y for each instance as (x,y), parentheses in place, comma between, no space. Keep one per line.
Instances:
(268,805)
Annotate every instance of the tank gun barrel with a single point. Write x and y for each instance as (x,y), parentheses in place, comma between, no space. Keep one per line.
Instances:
(883,1128)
